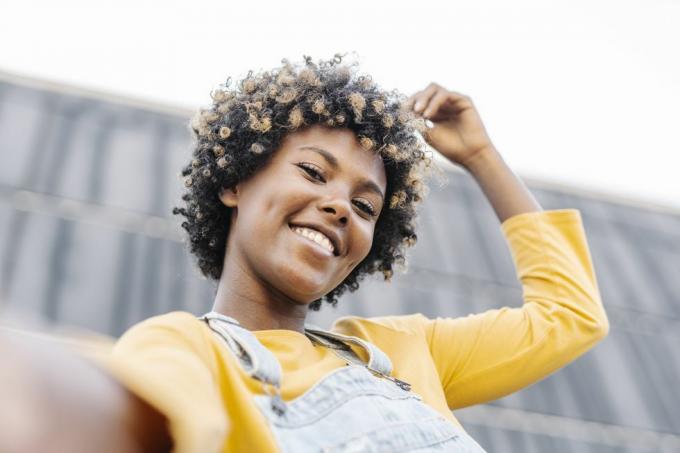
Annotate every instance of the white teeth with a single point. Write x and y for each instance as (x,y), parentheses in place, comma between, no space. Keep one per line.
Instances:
(315,236)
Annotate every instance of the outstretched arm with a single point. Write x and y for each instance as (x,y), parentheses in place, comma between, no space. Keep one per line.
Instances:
(459,135)
(54,400)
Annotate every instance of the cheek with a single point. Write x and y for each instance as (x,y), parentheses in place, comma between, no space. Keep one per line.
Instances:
(362,240)
(267,202)
(287,192)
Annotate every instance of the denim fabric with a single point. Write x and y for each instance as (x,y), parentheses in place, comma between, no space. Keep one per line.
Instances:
(377,360)
(356,408)
(256,360)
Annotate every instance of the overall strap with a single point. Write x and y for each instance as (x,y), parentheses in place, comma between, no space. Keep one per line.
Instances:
(257,361)
(378,361)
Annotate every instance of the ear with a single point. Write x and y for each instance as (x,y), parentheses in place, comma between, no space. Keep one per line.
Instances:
(229,196)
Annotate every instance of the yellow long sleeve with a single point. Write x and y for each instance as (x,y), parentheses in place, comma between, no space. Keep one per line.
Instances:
(484,356)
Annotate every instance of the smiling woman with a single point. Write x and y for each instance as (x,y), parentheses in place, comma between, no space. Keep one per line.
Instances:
(303,180)
(301,224)
(359,132)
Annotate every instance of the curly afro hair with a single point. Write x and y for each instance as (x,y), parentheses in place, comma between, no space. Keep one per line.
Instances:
(246,124)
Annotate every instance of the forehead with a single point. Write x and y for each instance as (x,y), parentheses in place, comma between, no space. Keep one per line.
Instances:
(343,144)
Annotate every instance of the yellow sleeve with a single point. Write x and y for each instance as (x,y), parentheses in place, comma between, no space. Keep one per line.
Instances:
(165,360)
(485,356)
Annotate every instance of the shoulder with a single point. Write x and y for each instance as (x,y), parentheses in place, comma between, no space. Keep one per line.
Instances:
(412,324)
(177,327)
(179,321)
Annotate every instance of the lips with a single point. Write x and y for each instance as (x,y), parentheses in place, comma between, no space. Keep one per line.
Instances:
(326,234)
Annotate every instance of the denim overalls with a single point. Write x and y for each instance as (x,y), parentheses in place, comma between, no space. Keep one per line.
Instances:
(356,408)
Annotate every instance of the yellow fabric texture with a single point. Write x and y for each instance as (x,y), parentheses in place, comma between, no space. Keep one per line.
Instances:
(177,364)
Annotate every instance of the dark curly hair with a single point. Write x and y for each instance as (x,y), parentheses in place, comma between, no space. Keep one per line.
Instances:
(246,124)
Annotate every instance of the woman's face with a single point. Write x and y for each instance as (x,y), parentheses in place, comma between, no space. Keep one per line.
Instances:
(306,219)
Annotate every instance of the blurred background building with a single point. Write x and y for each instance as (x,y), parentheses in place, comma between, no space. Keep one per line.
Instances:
(87,183)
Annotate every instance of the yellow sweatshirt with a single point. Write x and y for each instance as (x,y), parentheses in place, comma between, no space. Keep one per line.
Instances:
(178,365)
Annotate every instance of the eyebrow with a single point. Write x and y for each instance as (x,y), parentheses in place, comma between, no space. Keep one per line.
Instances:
(333,162)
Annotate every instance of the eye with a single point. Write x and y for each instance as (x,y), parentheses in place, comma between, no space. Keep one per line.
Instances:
(312,170)
(366,207)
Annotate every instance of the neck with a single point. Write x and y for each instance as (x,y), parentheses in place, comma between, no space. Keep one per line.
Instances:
(250,301)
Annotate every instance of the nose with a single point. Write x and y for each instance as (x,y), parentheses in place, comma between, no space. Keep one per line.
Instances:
(337,209)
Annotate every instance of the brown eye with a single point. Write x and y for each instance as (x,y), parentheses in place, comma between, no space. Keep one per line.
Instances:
(366,207)
(312,170)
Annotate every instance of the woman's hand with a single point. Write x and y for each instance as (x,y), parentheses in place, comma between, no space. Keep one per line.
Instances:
(55,400)
(458,132)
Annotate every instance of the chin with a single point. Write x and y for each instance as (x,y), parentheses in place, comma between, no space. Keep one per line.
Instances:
(304,288)
(305,292)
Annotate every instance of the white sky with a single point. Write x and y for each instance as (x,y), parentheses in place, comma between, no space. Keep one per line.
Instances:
(583,93)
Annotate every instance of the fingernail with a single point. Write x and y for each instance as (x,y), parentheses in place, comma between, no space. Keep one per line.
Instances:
(418,106)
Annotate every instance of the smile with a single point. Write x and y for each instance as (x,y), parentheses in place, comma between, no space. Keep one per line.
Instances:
(317,237)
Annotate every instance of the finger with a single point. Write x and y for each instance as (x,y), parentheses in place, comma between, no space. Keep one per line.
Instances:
(456,96)
(435,103)
(408,104)
(424,97)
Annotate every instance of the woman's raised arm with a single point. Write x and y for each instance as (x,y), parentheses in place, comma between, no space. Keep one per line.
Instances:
(484,356)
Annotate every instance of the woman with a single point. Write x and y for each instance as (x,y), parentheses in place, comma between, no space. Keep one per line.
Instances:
(305,179)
